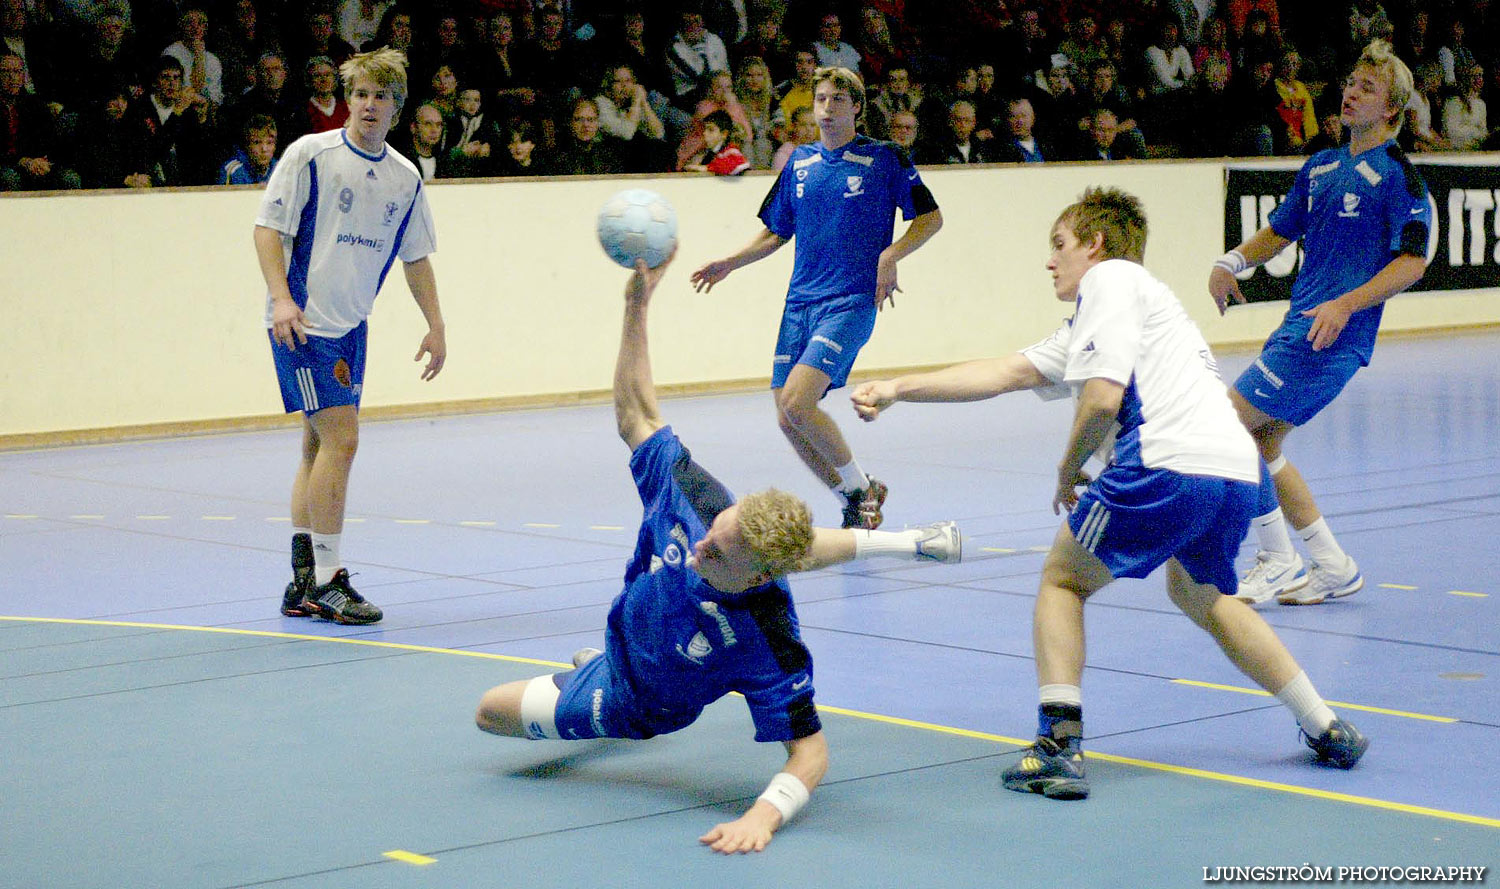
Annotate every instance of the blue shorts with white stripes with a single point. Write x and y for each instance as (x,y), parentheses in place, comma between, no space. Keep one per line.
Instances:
(322,372)
(1135,519)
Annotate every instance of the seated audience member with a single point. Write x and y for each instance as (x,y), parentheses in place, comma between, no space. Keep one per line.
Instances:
(1104,91)
(1214,122)
(1255,98)
(1059,107)
(1299,119)
(694,53)
(719,96)
(113,149)
(903,132)
(360,20)
(325,108)
(495,69)
(1083,45)
(1169,67)
(1103,142)
(958,145)
(29,159)
(752,84)
(798,92)
(878,50)
(626,119)
(1019,143)
(176,121)
(473,139)
(110,61)
(1454,55)
(240,41)
(522,157)
(938,102)
(831,50)
(768,43)
(422,144)
(1465,117)
(255,157)
(202,71)
(580,151)
(395,30)
(1214,44)
(554,66)
(1426,95)
(317,38)
(802,129)
(898,94)
(720,156)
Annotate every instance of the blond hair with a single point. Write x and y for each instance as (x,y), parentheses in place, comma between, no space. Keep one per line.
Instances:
(1380,57)
(777,528)
(384,67)
(1113,213)
(846,80)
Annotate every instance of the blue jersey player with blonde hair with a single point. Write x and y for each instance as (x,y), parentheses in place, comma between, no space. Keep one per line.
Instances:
(705,609)
(339,210)
(837,198)
(1364,217)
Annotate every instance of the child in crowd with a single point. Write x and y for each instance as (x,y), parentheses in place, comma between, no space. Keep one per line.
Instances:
(255,157)
(719,156)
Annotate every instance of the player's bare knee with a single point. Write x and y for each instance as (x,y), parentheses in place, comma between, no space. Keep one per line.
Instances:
(499,712)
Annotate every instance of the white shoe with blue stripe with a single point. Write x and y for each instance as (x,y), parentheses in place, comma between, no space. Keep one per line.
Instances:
(1272,577)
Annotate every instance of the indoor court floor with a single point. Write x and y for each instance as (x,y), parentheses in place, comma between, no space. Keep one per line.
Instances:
(164,726)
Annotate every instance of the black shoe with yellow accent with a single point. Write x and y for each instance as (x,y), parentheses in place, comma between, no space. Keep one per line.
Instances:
(337,601)
(1054,771)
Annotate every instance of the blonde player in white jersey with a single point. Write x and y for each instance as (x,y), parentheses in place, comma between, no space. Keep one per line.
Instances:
(341,207)
(1179,489)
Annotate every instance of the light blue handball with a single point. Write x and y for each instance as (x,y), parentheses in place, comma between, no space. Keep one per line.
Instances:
(638,223)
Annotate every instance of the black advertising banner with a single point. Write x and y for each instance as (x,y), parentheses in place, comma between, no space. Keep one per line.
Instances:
(1463,254)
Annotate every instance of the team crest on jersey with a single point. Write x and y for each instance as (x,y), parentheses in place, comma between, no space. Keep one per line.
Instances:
(390,213)
(342,375)
(802,174)
(1351,205)
(697,649)
(856,186)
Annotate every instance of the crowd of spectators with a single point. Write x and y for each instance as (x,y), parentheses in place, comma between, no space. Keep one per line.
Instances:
(110,93)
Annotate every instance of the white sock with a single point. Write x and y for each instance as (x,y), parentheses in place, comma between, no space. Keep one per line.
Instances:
(1060,694)
(1305,703)
(886,543)
(1321,545)
(1275,538)
(851,478)
(325,556)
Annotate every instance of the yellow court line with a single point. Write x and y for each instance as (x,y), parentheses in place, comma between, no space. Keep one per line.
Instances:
(408,857)
(1469,594)
(1395,586)
(1362,707)
(413,521)
(218,518)
(478,524)
(153,518)
(606,527)
(16,515)
(996,549)
(873,717)
(90,516)
(539,525)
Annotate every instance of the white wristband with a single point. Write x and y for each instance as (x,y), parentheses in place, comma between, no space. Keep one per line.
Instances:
(1232,262)
(787,794)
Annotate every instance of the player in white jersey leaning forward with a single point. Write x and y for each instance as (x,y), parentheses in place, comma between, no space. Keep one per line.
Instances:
(1179,488)
(341,207)
(705,609)
(1363,216)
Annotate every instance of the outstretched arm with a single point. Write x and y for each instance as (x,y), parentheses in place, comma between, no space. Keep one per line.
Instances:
(636,413)
(806,764)
(1223,286)
(761,246)
(970,381)
(918,233)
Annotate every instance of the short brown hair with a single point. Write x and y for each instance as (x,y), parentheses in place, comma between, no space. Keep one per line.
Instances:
(777,527)
(846,80)
(1113,213)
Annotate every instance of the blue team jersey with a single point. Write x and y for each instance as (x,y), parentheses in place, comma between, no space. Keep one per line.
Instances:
(840,206)
(1354,215)
(679,643)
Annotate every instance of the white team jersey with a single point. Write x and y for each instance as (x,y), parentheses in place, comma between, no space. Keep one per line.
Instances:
(345,216)
(1129,328)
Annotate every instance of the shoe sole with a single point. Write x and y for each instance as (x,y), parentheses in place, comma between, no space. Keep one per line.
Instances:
(342,619)
(1051,788)
(1339,593)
